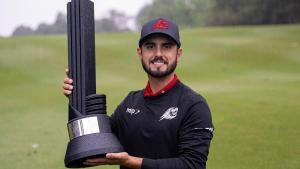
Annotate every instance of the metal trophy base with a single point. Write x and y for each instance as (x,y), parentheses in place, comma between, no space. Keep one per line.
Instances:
(90,137)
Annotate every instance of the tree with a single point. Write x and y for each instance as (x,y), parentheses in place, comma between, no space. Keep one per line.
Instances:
(190,13)
(22,30)
(58,27)
(116,22)
(246,12)
(187,13)
(60,24)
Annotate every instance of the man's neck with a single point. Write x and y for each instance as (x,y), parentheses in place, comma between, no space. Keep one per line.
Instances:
(157,84)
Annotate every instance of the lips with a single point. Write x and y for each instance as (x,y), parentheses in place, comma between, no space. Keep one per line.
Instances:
(158,61)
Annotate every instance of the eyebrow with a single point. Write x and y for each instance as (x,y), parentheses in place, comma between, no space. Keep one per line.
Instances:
(169,43)
(149,43)
(165,43)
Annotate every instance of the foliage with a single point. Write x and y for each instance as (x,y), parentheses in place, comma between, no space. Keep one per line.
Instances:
(23,30)
(222,12)
(58,27)
(246,12)
(115,22)
(188,13)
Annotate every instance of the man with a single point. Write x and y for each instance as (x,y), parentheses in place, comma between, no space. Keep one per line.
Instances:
(166,125)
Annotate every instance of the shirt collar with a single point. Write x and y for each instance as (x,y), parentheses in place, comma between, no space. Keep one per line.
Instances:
(148,91)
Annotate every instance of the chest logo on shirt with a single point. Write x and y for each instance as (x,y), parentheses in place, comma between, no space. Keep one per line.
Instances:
(171,113)
(132,111)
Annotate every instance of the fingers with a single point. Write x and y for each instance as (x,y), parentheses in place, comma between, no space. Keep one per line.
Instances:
(68,80)
(111,159)
(100,161)
(68,87)
(92,163)
(119,156)
(67,92)
(97,160)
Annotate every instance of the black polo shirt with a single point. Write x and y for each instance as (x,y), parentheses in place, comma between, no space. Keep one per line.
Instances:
(172,130)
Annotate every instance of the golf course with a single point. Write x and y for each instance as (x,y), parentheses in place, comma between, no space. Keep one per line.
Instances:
(249,75)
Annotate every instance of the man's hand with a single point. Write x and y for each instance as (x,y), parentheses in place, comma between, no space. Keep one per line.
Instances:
(122,158)
(68,87)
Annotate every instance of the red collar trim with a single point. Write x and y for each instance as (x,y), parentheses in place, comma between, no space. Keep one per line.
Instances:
(148,91)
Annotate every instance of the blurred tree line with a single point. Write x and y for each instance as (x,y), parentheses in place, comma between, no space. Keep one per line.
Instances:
(59,26)
(192,13)
(115,22)
(189,13)
(249,12)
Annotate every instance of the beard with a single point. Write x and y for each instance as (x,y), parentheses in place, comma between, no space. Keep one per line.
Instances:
(159,73)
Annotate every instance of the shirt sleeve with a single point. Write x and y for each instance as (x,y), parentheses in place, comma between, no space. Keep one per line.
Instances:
(113,121)
(195,136)
(115,117)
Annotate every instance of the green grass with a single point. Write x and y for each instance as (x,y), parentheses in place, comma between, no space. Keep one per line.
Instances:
(249,75)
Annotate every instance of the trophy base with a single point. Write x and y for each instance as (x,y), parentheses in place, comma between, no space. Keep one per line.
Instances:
(89,146)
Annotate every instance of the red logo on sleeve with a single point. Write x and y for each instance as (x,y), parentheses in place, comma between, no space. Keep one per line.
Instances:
(161,24)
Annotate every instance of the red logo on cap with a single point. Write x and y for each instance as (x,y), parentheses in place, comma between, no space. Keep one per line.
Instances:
(161,24)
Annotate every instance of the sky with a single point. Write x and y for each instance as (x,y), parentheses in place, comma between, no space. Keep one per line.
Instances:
(32,12)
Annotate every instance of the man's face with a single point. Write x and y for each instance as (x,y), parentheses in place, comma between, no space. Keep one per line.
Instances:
(159,55)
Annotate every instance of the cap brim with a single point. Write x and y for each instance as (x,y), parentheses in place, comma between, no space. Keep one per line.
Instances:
(143,39)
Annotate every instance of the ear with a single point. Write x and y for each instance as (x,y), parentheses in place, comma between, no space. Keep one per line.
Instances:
(179,53)
(139,52)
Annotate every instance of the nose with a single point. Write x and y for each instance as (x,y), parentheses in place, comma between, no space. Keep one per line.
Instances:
(158,51)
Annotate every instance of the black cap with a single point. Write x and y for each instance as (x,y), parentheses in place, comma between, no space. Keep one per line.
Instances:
(161,26)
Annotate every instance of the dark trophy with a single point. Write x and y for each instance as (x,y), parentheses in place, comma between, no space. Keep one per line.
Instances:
(89,126)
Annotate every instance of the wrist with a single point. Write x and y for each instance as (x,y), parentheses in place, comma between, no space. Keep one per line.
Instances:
(133,162)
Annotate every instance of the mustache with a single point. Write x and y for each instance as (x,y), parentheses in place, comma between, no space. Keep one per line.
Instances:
(159,58)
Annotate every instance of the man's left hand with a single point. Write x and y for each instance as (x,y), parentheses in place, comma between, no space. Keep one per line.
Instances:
(122,158)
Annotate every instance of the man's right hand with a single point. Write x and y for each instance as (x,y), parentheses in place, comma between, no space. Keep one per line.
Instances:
(68,87)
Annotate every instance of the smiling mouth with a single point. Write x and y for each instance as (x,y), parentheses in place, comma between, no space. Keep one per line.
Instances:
(158,61)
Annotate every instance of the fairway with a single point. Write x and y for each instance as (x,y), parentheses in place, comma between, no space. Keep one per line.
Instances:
(249,75)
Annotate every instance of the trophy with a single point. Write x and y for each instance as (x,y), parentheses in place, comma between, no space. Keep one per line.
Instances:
(89,126)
